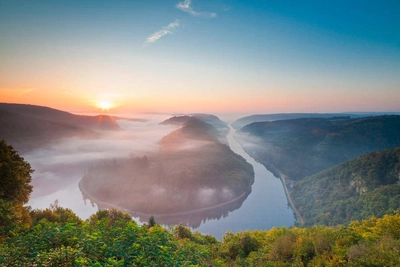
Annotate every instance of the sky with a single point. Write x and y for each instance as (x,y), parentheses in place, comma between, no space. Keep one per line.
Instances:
(211,56)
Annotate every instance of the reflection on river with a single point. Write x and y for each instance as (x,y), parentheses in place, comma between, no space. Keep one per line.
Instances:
(193,218)
(264,207)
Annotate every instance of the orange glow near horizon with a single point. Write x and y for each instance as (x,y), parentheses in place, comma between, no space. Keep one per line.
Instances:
(104,105)
(270,101)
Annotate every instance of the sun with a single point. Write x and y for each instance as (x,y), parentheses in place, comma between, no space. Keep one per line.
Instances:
(104,105)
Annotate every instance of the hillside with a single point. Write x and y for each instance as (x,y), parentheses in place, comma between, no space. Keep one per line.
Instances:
(26,133)
(357,189)
(101,122)
(213,120)
(220,129)
(176,120)
(302,147)
(239,123)
(191,171)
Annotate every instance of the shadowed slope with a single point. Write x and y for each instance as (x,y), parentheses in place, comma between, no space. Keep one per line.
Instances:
(26,133)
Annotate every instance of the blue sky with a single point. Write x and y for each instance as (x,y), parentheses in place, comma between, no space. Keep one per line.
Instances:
(202,56)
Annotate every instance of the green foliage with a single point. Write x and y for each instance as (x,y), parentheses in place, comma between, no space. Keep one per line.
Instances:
(181,232)
(111,216)
(100,241)
(55,214)
(107,239)
(152,221)
(15,188)
(357,189)
(15,175)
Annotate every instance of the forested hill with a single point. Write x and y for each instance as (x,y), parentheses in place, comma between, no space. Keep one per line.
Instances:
(101,122)
(26,133)
(302,147)
(213,120)
(207,118)
(219,128)
(357,189)
(239,123)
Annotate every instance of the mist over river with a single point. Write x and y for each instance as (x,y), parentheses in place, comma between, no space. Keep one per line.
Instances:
(59,169)
(264,208)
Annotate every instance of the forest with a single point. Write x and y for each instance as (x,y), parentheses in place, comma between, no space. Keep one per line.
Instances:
(303,147)
(56,236)
(307,151)
(357,189)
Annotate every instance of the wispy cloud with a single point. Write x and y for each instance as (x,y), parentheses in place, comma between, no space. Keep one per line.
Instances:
(169,29)
(185,7)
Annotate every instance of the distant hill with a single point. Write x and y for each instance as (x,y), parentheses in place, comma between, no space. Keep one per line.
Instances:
(288,116)
(176,120)
(101,122)
(357,189)
(194,129)
(302,147)
(219,128)
(25,133)
(191,171)
(211,119)
(239,123)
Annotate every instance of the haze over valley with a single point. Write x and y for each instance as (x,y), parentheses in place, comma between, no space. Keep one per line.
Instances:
(199,133)
(181,168)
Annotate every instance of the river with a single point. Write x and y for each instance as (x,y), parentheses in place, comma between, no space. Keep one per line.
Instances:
(265,207)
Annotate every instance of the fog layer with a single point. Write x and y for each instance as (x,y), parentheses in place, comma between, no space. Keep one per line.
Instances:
(59,167)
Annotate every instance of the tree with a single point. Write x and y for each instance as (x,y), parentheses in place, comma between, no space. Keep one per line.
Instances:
(55,214)
(15,189)
(152,221)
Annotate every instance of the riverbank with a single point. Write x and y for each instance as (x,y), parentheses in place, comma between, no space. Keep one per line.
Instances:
(282,177)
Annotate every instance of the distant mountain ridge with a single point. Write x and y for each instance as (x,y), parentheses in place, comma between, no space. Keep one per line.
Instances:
(100,122)
(239,123)
(302,147)
(26,133)
(27,127)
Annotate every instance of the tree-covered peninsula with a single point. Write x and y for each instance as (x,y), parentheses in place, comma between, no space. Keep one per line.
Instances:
(191,171)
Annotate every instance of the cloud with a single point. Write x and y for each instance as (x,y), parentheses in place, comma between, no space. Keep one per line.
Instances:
(185,7)
(164,31)
(170,28)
